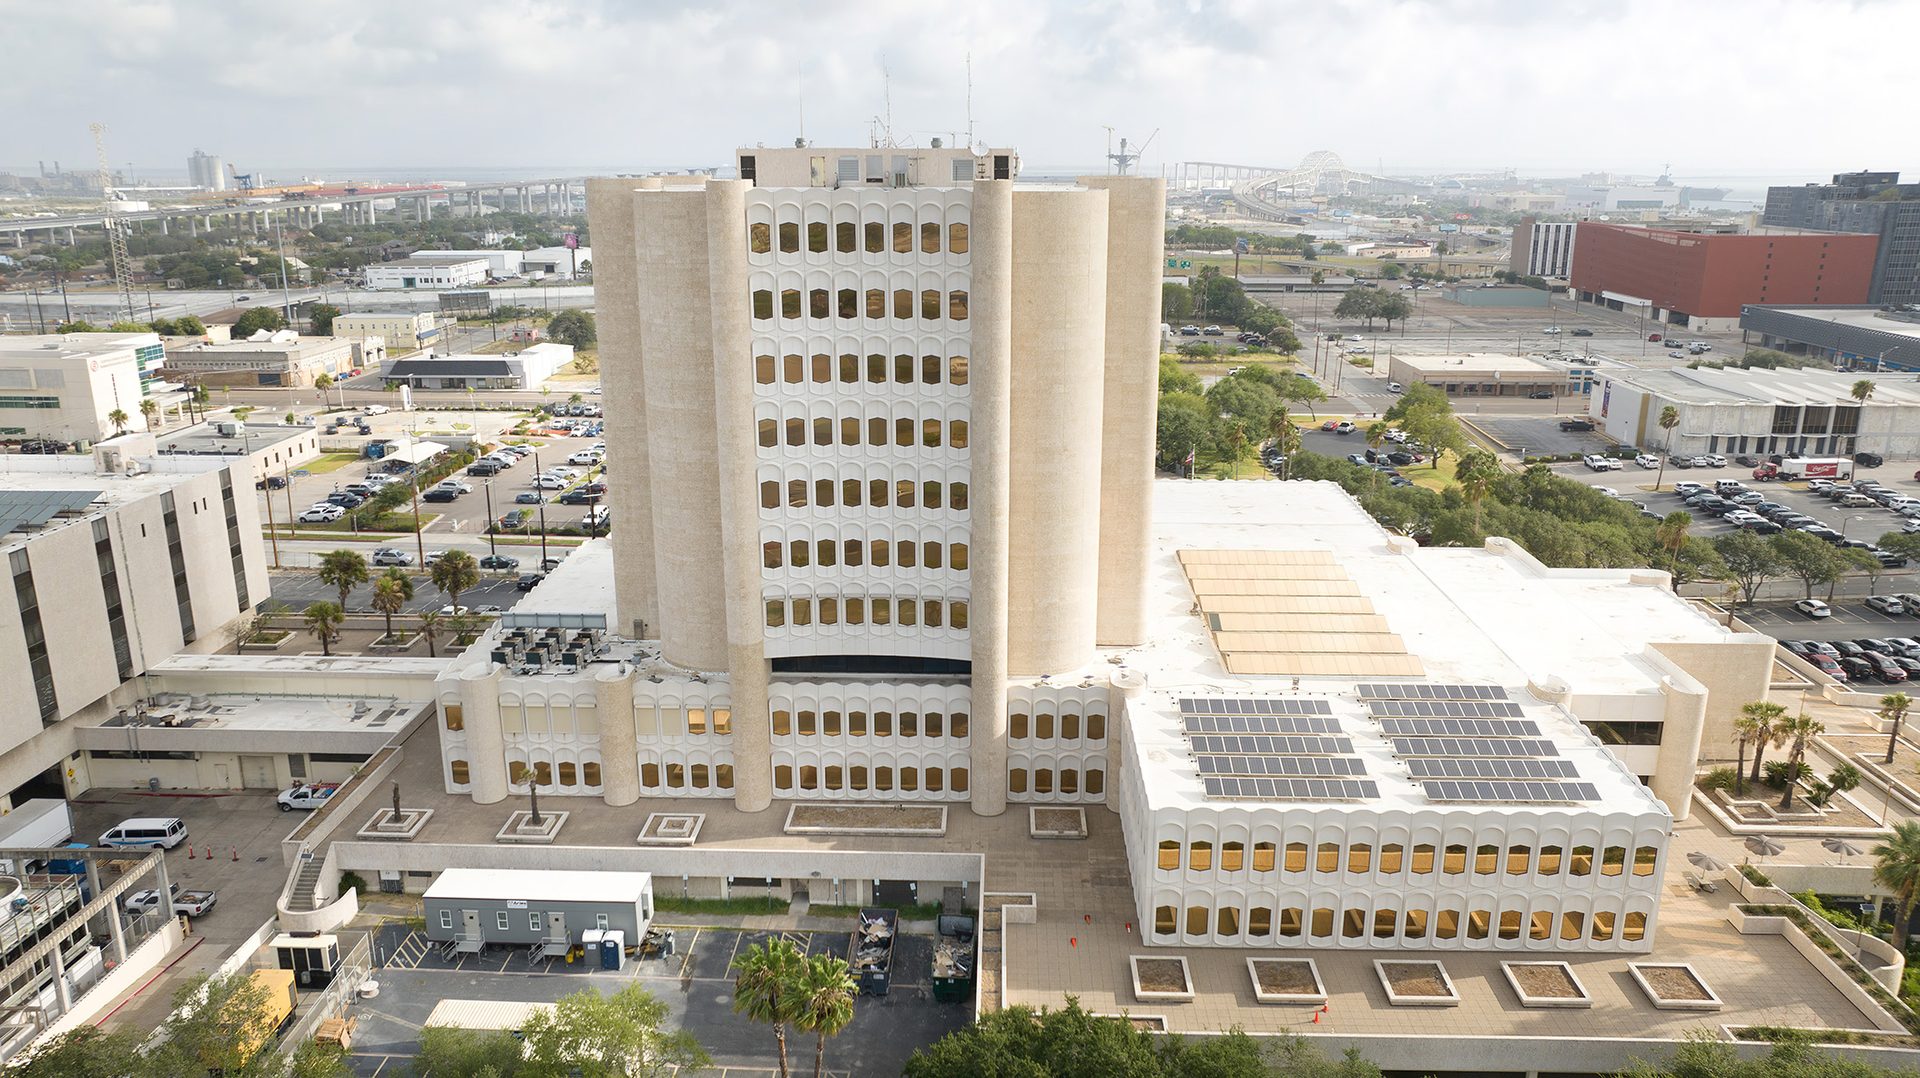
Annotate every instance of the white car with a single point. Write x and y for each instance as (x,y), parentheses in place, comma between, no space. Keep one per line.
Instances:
(1715,460)
(1395,387)
(1813,608)
(1647,460)
(1356,338)
(1551,331)
(323,513)
(1886,604)
(454,484)
(1598,463)
(376,409)
(1608,491)
(454,611)
(586,457)
(1910,527)
(379,479)
(549,482)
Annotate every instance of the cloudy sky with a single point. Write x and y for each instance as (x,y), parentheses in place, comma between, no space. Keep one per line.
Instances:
(1720,88)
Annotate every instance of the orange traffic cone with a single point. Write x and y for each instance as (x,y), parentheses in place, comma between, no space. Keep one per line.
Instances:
(1074,941)
(189,851)
(236,852)
(1087,917)
(1316,1018)
(209,851)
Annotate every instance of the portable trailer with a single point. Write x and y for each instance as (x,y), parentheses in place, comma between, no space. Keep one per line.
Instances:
(469,910)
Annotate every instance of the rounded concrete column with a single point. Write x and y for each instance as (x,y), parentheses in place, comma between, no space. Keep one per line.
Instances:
(989,388)
(738,494)
(1059,337)
(623,393)
(1136,235)
(619,749)
(676,324)
(1673,769)
(486,744)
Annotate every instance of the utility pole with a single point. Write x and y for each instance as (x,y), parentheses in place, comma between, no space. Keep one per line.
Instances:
(487,488)
(286,299)
(273,529)
(543,514)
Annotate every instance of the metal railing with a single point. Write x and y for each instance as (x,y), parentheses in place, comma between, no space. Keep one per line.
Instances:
(355,967)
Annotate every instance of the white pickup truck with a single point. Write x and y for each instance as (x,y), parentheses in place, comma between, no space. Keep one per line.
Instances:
(306,796)
(185,903)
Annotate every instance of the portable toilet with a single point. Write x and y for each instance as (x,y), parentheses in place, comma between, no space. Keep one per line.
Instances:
(613,949)
(590,941)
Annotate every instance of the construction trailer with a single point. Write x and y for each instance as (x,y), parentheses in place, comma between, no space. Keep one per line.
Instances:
(470,910)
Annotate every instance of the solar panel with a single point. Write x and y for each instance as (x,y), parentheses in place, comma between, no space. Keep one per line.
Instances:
(1471,746)
(1510,791)
(1491,768)
(1262,724)
(1214,705)
(1459,727)
(1288,789)
(33,508)
(1269,745)
(1484,709)
(1321,766)
(1420,690)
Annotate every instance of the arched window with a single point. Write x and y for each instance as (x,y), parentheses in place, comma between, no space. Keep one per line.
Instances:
(1614,862)
(1518,860)
(1644,858)
(1550,861)
(1163,920)
(1636,927)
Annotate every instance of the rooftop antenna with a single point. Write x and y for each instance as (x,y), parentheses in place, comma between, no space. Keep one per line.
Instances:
(1125,159)
(886,94)
(800,99)
(969,100)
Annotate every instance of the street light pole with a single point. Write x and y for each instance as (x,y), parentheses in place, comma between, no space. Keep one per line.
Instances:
(487,487)
(543,513)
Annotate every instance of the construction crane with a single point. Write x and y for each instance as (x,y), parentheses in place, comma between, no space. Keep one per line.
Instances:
(115,228)
(241,180)
(1124,160)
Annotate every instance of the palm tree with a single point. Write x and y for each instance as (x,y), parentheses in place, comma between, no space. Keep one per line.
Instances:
(1897,868)
(1893,709)
(324,620)
(1767,719)
(149,408)
(323,382)
(1746,731)
(430,628)
(1797,731)
(344,570)
(1862,390)
(764,979)
(823,1003)
(119,418)
(1236,435)
(390,594)
(455,573)
(1669,419)
(201,397)
(1671,534)
(1476,472)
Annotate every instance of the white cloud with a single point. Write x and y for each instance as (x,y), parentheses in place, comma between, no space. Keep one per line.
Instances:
(1714,86)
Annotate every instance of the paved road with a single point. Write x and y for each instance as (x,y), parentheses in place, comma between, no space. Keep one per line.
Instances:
(103,305)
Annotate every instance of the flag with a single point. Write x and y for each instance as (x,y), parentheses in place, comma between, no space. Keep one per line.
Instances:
(1189,459)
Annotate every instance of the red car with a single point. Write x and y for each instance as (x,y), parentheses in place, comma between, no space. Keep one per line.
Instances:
(1826,665)
(1331,424)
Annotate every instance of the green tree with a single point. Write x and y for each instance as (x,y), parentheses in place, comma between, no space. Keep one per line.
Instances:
(87,1052)
(765,977)
(1806,557)
(1177,379)
(1749,559)
(128,327)
(217,1024)
(320,316)
(1671,534)
(574,327)
(323,382)
(256,319)
(76,327)
(446,1052)
(1751,728)
(1893,711)
(1476,472)
(1020,1042)
(1393,307)
(1299,389)
(1361,303)
(391,593)
(1897,868)
(1393,271)
(119,418)
(1419,395)
(1768,719)
(1797,731)
(1184,423)
(1437,429)
(454,573)
(618,1036)
(189,326)
(823,1003)
(1176,302)
(431,624)
(1669,419)
(1695,560)
(1862,390)
(1699,1056)
(1905,544)
(149,410)
(343,570)
(324,621)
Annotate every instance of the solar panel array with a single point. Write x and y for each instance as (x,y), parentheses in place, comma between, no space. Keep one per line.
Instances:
(1322,766)
(1491,768)
(1262,724)
(1214,705)
(1472,746)
(33,508)
(1265,789)
(1420,690)
(1508,790)
(1483,709)
(1460,728)
(1264,745)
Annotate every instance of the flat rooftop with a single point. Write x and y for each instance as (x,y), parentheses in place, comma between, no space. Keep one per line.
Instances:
(68,347)
(39,493)
(1854,317)
(180,721)
(1796,386)
(429,262)
(1476,362)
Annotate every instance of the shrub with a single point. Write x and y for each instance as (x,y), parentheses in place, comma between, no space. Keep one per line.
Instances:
(1720,778)
(1774,774)
(1755,876)
(352,881)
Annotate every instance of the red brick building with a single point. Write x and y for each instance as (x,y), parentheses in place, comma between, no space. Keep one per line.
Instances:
(1701,279)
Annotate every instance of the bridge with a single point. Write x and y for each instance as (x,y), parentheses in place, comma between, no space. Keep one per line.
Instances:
(1265,192)
(548,196)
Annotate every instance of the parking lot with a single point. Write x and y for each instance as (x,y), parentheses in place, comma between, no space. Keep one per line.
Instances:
(694,983)
(1867,524)
(495,588)
(1526,435)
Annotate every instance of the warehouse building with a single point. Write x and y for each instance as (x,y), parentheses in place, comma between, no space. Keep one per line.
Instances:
(283,359)
(1482,374)
(1853,338)
(63,386)
(1701,280)
(501,264)
(455,271)
(1795,412)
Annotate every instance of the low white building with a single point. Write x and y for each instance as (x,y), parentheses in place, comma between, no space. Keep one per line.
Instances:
(454,272)
(525,369)
(556,261)
(1795,412)
(499,263)
(64,385)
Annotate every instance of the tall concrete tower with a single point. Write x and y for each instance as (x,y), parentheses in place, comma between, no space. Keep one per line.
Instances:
(207,171)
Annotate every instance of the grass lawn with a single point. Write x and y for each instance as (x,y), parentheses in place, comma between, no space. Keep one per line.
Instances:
(330,462)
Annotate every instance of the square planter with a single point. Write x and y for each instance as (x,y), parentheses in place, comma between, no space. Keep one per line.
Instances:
(672,828)
(1416,983)
(521,828)
(1286,980)
(1056,822)
(1546,984)
(1673,986)
(386,827)
(1157,979)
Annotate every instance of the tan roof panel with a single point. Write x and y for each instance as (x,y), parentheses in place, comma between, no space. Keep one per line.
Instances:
(1296,622)
(1288,604)
(1323,665)
(1281,612)
(1307,643)
(1204,588)
(1256,557)
(1265,572)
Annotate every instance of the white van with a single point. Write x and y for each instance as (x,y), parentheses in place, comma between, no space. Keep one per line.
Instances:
(154,832)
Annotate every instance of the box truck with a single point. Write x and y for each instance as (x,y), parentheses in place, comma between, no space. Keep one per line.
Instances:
(40,824)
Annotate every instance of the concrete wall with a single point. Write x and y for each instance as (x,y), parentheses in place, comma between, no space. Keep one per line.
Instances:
(1734,672)
(623,391)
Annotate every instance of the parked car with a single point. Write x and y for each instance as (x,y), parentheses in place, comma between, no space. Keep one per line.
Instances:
(1829,666)
(1686,488)
(321,514)
(529,497)
(1679,462)
(1646,460)
(1598,463)
(586,457)
(271,482)
(440,494)
(1857,669)
(454,484)
(499,561)
(1344,427)
(1576,424)
(390,556)
(346,499)
(1813,608)
(1885,669)
(1869,460)
(528,581)
(1332,425)
(579,495)
(307,795)
(1583,332)
(1911,601)
(485,467)
(549,482)
(183,903)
